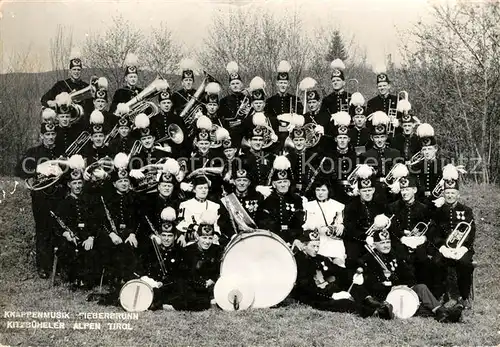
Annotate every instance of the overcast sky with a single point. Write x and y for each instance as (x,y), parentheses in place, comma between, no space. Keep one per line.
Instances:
(32,23)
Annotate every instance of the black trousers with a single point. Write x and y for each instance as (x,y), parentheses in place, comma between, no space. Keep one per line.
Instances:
(464,269)
(77,263)
(44,230)
(119,261)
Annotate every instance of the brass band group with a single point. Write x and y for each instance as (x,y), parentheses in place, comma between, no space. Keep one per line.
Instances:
(185,199)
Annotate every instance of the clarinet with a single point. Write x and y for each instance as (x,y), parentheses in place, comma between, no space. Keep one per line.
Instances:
(157,250)
(108,215)
(65,228)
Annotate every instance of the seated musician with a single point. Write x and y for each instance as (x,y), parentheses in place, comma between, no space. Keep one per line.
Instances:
(313,272)
(95,150)
(359,133)
(124,141)
(78,229)
(130,90)
(164,263)
(282,211)
(67,129)
(455,243)
(384,269)
(201,265)
(327,216)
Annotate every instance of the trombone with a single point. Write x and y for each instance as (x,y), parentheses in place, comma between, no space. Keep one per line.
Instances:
(393,112)
(76,146)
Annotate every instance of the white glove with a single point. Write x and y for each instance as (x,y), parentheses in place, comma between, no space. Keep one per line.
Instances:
(447,252)
(264,190)
(86,176)
(216,239)
(167,148)
(51,103)
(227,176)
(341,295)
(137,174)
(99,173)
(115,238)
(438,202)
(182,240)
(67,235)
(156,239)
(274,137)
(358,279)
(460,252)
(304,200)
(395,188)
(186,187)
(395,121)
(88,244)
(419,240)
(406,240)
(369,240)
(320,129)
(151,282)
(339,230)
(131,240)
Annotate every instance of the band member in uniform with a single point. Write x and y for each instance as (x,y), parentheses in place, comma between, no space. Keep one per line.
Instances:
(339,99)
(406,142)
(201,265)
(245,192)
(314,112)
(384,100)
(96,150)
(149,153)
(359,215)
(359,132)
(381,157)
(124,141)
(68,129)
(326,215)
(78,229)
(235,106)
(311,286)
(282,211)
(258,102)
(454,241)
(182,96)
(231,162)
(100,104)
(72,84)
(429,169)
(32,165)
(383,269)
(130,89)
(212,91)
(343,157)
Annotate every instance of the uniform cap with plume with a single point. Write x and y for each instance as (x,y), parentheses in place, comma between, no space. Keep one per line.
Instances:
(257,83)
(232,67)
(121,160)
(259,119)
(131,59)
(222,134)
(380,118)
(403,106)
(168,214)
(171,166)
(96,117)
(337,64)
(141,121)
(425,130)
(281,163)
(63,99)
(212,88)
(203,122)
(76,162)
(307,83)
(357,99)
(48,115)
(284,66)
(341,118)
(400,170)
(365,171)
(208,217)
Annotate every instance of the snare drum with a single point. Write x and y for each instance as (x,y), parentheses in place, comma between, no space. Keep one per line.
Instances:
(404,301)
(265,260)
(136,296)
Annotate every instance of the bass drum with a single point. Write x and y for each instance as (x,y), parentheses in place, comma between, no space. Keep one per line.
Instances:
(404,301)
(264,259)
(136,296)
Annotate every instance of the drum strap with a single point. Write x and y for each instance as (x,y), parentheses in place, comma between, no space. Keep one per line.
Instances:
(322,212)
(237,212)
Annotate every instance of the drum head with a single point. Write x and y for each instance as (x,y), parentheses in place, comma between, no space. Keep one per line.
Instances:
(233,293)
(266,262)
(404,301)
(136,296)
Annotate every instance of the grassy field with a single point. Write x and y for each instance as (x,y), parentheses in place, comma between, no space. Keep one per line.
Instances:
(296,325)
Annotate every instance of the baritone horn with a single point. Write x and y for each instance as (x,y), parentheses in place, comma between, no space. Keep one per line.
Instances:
(419,229)
(89,91)
(174,134)
(139,104)
(458,236)
(438,189)
(416,158)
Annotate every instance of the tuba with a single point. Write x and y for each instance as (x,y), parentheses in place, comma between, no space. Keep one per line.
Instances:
(46,177)
(458,236)
(419,229)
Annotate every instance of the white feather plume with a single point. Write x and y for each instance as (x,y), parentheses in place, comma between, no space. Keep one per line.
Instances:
(307,83)
(168,214)
(285,117)
(284,66)
(203,122)
(341,118)
(121,160)
(297,120)
(357,99)
(48,115)
(209,217)
(400,170)
(281,163)
(76,162)
(75,53)
(102,83)
(222,134)
(232,67)
(122,108)
(259,119)
(450,172)
(379,68)
(171,166)
(212,88)
(381,221)
(425,130)
(380,118)
(365,171)
(141,121)
(337,64)
(187,64)
(403,106)
(257,83)
(63,99)
(96,117)
(131,59)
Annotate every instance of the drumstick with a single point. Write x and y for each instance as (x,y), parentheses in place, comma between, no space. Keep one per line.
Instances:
(359,271)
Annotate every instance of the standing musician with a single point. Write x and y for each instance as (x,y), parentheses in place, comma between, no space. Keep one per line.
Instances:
(182,96)
(201,265)
(235,106)
(100,104)
(124,141)
(343,157)
(67,130)
(95,150)
(384,269)
(282,211)
(72,84)
(454,238)
(359,132)
(326,215)
(315,114)
(148,153)
(258,102)
(359,215)
(311,286)
(31,166)
(212,92)
(130,89)
(384,101)
(78,229)
(406,142)
(339,99)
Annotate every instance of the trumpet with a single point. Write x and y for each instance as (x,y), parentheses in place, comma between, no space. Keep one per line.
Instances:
(371,230)
(245,108)
(389,178)
(438,189)
(458,236)
(416,158)
(77,145)
(112,134)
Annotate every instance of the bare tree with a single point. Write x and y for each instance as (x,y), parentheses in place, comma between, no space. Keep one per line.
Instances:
(60,49)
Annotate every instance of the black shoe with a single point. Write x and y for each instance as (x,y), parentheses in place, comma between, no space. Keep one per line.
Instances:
(442,314)
(455,313)
(372,302)
(385,311)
